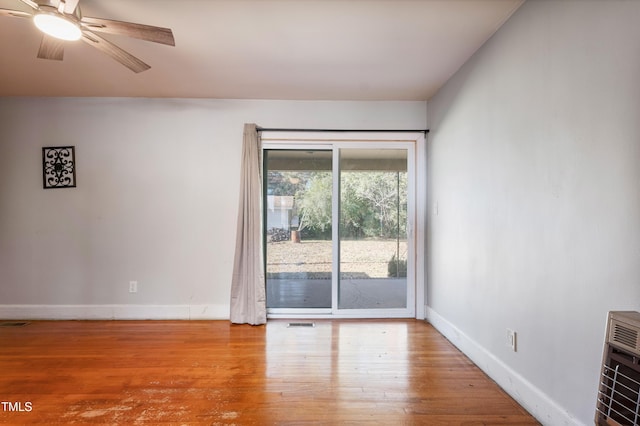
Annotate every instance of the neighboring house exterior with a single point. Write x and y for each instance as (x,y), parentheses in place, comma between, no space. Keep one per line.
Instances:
(279,211)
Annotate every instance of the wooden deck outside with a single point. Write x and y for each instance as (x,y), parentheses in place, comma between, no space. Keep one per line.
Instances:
(340,372)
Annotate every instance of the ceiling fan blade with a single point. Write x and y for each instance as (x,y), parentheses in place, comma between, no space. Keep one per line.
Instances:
(16,13)
(31,4)
(51,48)
(125,58)
(143,32)
(70,6)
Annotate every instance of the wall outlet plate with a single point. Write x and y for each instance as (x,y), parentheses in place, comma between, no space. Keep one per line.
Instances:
(133,286)
(511,339)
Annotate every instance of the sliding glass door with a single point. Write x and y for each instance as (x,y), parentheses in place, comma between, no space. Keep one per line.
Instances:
(298,216)
(373,229)
(338,220)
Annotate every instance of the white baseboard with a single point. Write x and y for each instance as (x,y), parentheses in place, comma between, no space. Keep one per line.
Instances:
(543,408)
(114,312)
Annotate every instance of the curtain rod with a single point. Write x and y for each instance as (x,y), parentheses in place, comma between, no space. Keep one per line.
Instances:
(268,129)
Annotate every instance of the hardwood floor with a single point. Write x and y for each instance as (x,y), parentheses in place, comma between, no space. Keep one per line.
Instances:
(386,372)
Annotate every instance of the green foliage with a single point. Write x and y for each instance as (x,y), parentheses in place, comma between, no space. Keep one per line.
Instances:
(314,202)
(354,209)
(370,204)
(397,267)
(373,203)
(286,183)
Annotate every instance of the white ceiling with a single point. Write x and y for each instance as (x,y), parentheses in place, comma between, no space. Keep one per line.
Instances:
(261,49)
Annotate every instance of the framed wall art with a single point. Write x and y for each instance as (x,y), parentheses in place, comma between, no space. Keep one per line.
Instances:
(58,167)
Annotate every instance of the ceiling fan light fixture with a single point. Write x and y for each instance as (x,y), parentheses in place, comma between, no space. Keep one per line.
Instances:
(57,26)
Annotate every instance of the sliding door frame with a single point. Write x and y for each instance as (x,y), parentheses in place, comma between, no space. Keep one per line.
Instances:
(415,143)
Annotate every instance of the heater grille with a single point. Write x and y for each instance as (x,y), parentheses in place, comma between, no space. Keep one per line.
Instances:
(625,335)
(619,390)
(619,395)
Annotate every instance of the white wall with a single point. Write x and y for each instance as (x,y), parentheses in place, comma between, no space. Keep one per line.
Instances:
(534,195)
(156,200)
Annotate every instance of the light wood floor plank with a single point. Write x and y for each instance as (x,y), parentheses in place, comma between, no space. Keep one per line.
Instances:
(347,372)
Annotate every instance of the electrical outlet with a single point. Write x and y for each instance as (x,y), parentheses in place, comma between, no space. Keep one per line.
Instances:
(133,286)
(511,339)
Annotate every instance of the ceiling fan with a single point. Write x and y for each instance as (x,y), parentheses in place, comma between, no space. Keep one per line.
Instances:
(61,21)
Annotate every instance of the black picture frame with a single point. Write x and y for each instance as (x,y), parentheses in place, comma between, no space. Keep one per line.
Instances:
(58,167)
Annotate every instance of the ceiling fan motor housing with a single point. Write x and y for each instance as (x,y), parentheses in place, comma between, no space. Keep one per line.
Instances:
(53,22)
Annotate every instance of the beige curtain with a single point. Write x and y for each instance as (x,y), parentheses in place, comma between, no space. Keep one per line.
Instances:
(248,303)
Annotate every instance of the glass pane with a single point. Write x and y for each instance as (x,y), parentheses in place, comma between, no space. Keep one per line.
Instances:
(298,226)
(373,229)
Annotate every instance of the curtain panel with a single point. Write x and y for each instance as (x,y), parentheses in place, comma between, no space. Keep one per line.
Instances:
(248,300)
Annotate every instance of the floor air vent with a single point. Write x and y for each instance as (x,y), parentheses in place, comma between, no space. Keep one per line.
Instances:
(301,324)
(13,324)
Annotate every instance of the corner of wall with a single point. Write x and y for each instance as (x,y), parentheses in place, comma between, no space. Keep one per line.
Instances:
(536,402)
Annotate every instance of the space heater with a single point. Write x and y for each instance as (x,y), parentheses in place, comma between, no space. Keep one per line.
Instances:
(619,391)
